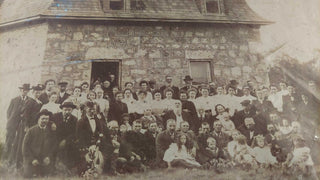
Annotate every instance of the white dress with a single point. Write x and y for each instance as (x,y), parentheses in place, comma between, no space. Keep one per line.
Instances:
(301,157)
(263,155)
(173,153)
(52,107)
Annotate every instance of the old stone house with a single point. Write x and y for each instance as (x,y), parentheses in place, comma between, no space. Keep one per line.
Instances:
(82,40)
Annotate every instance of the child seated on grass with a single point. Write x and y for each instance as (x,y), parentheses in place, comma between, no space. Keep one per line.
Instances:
(262,152)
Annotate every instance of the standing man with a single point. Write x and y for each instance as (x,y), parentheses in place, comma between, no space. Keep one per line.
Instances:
(15,116)
(117,108)
(49,85)
(188,81)
(38,148)
(66,125)
(170,85)
(62,94)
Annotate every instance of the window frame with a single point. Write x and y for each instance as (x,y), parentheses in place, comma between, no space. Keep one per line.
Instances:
(210,75)
(220,8)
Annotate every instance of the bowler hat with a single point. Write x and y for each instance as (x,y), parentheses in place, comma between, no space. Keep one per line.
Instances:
(63,83)
(67,104)
(38,87)
(187,78)
(245,102)
(233,82)
(25,87)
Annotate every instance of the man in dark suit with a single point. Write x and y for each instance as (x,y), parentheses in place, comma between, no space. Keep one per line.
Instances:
(222,139)
(263,107)
(16,118)
(117,108)
(135,143)
(150,143)
(163,141)
(62,96)
(170,85)
(30,113)
(239,116)
(250,130)
(65,124)
(49,85)
(38,148)
(188,81)
(88,127)
(290,103)
(203,136)
(188,106)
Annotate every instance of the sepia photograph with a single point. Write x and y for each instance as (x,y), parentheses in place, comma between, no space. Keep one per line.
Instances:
(160,89)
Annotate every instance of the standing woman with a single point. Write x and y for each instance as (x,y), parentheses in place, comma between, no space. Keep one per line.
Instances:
(128,99)
(76,100)
(168,101)
(52,106)
(102,103)
(157,104)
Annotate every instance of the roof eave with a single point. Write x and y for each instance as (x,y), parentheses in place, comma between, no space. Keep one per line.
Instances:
(100,18)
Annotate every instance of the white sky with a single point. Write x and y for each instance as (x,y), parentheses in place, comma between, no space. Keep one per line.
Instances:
(297,22)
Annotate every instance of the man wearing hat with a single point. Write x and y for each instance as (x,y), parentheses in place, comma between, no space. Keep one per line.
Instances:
(65,124)
(188,81)
(16,115)
(247,111)
(38,148)
(31,110)
(49,85)
(170,85)
(62,94)
(234,83)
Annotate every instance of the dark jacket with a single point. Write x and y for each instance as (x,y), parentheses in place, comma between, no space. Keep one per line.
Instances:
(116,110)
(66,128)
(163,142)
(60,100)
(175,91)
(84,134)
(38,144)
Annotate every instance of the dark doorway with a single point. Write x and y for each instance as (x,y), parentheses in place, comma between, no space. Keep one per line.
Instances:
(101,71)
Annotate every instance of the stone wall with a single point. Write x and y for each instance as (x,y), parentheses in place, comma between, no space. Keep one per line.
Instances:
(151,50)
(22,51)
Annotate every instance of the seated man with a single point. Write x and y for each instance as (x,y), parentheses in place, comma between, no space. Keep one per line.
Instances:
(222,139)
(250,130)
(134,145)
(164,139)
(204,133)
(150,143)
(39,146)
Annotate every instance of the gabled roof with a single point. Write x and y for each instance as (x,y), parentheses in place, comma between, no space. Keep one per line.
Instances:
(235,11)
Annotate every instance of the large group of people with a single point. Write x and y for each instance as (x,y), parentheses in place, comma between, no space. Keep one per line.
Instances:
(102,129)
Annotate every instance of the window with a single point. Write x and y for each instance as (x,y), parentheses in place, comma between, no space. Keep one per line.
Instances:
(137,5)
(116,4)
(200,71)
(212,6)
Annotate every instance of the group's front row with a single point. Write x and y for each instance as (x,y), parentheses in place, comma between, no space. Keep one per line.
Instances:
(61,145)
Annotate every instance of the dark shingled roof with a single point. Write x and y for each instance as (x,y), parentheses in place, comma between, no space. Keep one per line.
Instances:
(235,11)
